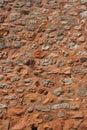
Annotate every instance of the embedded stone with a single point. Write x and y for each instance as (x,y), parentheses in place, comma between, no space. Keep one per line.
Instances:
(14,16)
(58,91)
(82,91)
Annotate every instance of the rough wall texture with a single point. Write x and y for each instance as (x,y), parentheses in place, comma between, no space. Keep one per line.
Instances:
(43,64)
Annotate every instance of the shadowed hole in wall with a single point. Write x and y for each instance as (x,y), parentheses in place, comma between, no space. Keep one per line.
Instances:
(34,128)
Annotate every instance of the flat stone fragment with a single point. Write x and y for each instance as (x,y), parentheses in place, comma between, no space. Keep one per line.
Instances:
(1,77)
(83,14)
(84,1)
(46,62)
(73,0)
(2,106)
(5,85)
(19,4)
(68,6)
(60,106)
(42,108)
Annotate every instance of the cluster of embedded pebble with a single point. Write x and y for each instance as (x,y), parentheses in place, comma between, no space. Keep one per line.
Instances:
(43,64)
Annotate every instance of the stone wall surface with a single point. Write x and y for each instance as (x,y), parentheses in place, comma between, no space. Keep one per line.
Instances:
(43,64)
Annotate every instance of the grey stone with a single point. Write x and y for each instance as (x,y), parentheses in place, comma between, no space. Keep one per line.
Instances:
(65,53)
(17,29)
(26,53)
(1,77)
(33,46)
(31,27)
(19,62)
(14,16)
(28,82)
(54,55)
(32,90)
(60,106)
(8,70)
(82,7)
(49,117)
(2,46)
(42,108)
(59,33)
(11,38)
(46,11)
(53,4)
(73,0)
(60,100)
(7,61)
(73,45)
(22,22)
(67,27)
(58,91)
(10,97)
(68,6)
(1,38)
(82,53)
(19,4)
(2,106)
(61,114)
(14,79)
(9,0)
(45,48)
(74,21)
(83,14)
(74,107)
(1,5)
(51,29)
(84,1)
(1,86)
(2,1)
(20,90)
(29,3)
(81,39)
(85,65)
(78,71)
(30,110)
(5,85)
(48,83)
(8,45)
(46,62)
(19,44)
(39,4)
(82,91)
(67,81)
(61,63)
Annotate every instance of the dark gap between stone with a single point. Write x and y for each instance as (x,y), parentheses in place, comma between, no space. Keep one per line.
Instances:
(33,128)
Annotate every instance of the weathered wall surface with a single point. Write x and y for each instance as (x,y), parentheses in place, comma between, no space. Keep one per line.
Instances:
(43,64)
